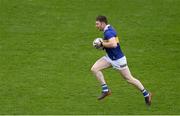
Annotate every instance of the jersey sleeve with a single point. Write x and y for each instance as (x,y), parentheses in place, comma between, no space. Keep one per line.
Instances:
(108,35)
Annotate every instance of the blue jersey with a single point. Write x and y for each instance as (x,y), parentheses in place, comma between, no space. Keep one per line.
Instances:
(113,53)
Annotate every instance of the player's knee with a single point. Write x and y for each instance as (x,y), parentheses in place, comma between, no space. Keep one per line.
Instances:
(133,80)
(130,79)
(93,70)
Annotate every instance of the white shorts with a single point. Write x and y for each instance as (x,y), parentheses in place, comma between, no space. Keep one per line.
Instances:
(119,64)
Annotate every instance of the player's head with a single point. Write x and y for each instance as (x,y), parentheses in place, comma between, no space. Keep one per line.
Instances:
(101,22)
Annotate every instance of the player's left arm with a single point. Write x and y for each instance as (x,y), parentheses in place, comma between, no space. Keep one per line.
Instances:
(110,43)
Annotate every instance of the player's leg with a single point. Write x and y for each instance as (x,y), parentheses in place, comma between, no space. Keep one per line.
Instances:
(122,67)
(130,79)
(96,69)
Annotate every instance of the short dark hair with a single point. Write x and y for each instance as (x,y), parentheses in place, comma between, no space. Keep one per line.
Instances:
(102,19)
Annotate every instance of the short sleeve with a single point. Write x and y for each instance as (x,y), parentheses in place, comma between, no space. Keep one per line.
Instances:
(108,35)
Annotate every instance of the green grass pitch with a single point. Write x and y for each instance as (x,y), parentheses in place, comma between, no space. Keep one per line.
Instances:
(46,54)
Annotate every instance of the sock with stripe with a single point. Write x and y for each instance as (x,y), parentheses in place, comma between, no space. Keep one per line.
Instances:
(105,88)
(145,93)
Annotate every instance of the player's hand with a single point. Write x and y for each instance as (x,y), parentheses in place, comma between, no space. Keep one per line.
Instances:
(100,44)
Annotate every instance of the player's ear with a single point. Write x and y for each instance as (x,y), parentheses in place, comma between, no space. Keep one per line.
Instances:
(102,23)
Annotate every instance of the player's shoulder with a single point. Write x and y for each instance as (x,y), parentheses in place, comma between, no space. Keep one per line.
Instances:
(110,32)
(110,29)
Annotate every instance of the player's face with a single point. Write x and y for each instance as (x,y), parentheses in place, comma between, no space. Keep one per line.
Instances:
(99,25)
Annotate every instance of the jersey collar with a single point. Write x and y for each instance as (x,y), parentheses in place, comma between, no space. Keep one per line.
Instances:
(106,27)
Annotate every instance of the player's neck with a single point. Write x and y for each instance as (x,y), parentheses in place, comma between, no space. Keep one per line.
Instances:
(106,27)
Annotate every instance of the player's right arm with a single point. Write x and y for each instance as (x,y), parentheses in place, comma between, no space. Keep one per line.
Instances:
(110,43)
(110,40)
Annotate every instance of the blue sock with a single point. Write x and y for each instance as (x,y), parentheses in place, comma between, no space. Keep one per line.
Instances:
(104,88)
(145,93)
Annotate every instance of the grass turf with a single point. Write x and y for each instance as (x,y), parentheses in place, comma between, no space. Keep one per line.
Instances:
(46,54)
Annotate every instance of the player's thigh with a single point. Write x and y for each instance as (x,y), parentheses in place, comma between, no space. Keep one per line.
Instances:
(126,73)
(101,64)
